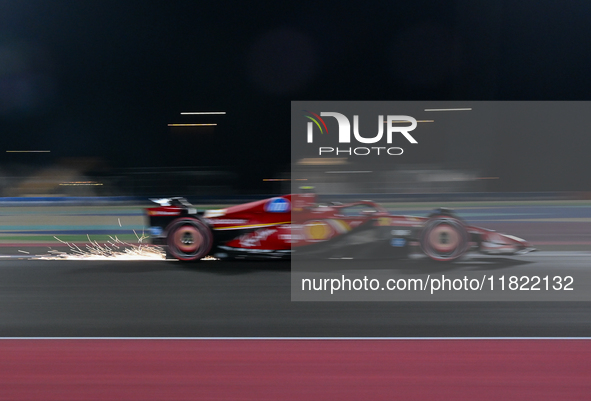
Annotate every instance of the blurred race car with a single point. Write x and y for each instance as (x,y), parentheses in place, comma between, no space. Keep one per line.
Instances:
(296,224)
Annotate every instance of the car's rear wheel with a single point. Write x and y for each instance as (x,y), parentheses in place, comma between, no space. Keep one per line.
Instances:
(189,239)
(444,238)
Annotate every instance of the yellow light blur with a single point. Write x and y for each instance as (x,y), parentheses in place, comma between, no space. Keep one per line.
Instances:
(28,151)
(203,112)
(190,125)
(320,161)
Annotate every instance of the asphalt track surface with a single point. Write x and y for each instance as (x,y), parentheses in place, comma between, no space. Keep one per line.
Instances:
(71,298)
(82,298)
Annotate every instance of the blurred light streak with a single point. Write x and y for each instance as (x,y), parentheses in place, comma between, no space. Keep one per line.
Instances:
(459,109)
(190,125)
(203,112)
(487,178)
(406,121)
(320,161)
(348,172)
(81,183)
(28,151)
(284,179)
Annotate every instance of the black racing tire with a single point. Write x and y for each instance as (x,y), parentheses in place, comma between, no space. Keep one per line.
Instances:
(189,239)
(444,238)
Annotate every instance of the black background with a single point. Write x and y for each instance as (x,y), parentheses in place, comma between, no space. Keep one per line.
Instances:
(104,78)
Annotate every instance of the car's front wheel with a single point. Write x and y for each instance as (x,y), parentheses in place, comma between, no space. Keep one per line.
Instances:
(444,238)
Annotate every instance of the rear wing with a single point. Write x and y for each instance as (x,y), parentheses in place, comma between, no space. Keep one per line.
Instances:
(175,201)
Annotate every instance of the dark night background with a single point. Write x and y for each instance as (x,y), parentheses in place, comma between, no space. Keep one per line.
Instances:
(102,79)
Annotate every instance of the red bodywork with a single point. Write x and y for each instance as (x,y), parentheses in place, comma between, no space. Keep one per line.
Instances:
(277,226)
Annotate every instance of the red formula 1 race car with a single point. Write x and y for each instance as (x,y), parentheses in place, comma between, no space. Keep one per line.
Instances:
(296,224)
